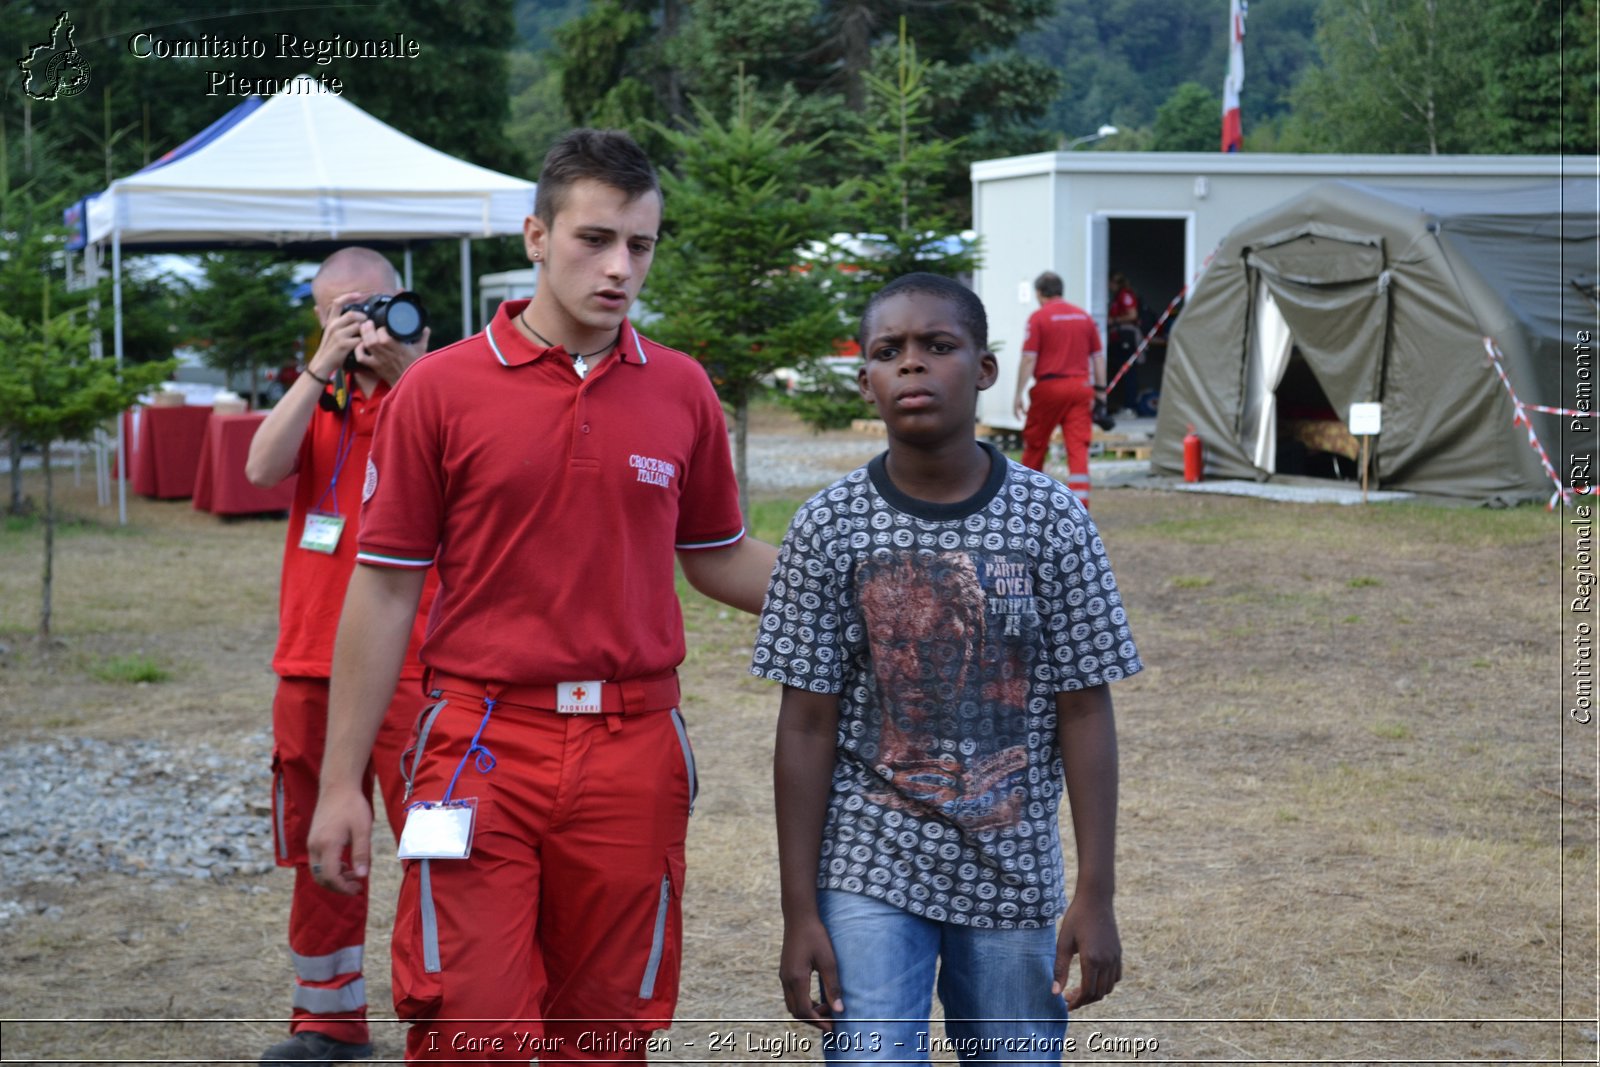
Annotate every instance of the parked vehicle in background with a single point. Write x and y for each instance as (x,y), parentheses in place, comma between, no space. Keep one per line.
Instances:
(199,381)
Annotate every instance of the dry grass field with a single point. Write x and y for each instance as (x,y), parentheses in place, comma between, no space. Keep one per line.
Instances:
(1356,823)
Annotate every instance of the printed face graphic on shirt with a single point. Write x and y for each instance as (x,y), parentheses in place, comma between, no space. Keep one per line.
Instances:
(953,701)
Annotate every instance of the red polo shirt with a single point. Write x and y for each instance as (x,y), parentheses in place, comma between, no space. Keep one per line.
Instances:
(1063,337)
(551,504)
(1123,302)
(311,593)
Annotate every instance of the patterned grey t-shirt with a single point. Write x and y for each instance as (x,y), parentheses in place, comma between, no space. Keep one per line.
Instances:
(946,630)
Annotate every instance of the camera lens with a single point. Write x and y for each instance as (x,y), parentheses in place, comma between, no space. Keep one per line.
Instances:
(404,323)
(404,316)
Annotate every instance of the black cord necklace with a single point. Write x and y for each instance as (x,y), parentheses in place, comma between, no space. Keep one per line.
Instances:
(578,358)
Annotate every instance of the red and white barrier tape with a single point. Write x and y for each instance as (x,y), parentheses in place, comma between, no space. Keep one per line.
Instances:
(1563,493)
(1156,328)
(1556,411)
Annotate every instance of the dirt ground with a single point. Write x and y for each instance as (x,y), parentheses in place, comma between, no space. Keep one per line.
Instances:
(1356,824)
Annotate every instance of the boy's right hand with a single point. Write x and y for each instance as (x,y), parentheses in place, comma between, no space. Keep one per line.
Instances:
(807,950)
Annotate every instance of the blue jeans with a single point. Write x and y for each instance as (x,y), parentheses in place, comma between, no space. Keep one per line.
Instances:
(994,985)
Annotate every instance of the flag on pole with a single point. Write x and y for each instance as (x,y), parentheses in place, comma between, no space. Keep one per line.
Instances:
(1232,130)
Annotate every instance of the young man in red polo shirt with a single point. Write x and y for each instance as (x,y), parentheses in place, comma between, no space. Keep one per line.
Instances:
(1062,355)
(326,442)
(552,467)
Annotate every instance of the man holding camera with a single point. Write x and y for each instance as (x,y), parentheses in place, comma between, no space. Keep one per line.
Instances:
(322,429)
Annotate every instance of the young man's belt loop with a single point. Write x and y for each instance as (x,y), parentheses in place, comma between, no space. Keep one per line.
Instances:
(631,696)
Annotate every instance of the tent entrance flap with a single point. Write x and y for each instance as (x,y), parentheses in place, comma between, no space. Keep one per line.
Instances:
(1286,406)
(1333,294)
(1270,342)
(1321,304)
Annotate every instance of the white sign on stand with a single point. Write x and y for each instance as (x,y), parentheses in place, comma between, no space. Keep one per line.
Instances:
(1366,421)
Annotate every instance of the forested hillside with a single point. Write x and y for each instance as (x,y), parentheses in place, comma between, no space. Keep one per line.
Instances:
(1120,61)
(1382,76)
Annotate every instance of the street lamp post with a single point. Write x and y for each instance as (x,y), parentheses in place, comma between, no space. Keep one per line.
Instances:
(1100,134)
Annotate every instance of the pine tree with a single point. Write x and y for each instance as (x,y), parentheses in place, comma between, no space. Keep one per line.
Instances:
(902,163)
(729,280)
(51,387)
(899,220)
(242,316)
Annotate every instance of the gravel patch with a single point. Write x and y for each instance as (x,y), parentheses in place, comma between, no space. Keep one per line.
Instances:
(782,463)
(176,814)
(794,463)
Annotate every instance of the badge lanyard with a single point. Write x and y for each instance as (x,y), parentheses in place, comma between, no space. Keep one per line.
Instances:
(323,528)
(484,761)
(443,830)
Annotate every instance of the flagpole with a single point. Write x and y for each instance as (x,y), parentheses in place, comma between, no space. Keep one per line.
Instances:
(1232,128)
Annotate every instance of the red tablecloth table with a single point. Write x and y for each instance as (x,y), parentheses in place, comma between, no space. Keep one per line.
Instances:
(220,486)
(164,449)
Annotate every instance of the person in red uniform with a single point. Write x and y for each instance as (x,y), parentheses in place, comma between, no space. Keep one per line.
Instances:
(1122,328)
(1061,354)
(327,444)
(552,467)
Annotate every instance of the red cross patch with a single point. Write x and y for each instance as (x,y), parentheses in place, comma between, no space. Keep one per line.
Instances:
(578,698)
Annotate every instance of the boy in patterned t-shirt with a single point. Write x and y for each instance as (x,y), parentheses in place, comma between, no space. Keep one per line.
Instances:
(944,623)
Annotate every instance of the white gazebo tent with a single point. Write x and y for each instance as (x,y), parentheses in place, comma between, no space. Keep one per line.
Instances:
(303,167)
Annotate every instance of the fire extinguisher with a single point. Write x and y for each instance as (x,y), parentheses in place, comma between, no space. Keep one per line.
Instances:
(1193,457)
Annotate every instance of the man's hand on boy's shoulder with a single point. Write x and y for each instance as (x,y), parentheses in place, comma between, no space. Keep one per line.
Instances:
(807,950)
(1088,931)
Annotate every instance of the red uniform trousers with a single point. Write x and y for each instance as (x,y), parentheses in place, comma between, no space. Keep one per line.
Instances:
(1069,404)
(560,935)
(328,930)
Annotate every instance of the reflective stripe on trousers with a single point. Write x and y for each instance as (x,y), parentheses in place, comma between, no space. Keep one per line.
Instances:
(331,1000)
(326,968)
(1079,484)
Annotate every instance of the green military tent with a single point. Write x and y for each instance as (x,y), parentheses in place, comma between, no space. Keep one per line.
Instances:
(1352,293)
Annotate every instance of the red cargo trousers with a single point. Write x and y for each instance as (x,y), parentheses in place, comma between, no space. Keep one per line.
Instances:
(559,936)
(328,930)
(1069,404)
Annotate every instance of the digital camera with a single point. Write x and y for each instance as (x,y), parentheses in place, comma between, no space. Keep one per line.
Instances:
(402,313)
(1102,418)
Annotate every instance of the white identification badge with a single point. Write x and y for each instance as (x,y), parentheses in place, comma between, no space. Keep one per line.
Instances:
(322,532)
(440,831)
(578,698)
